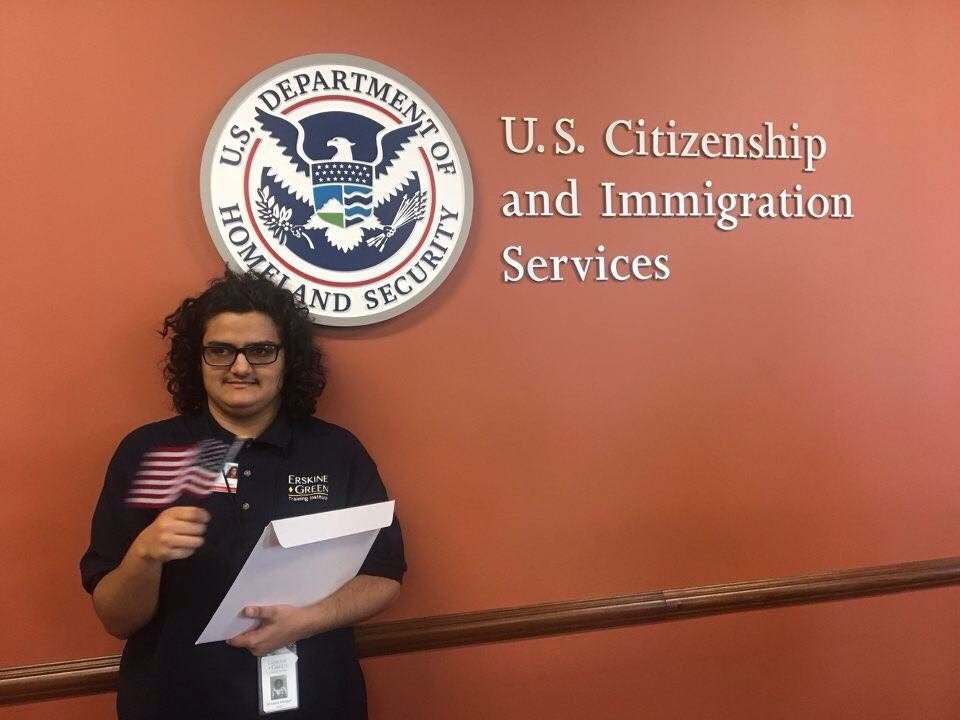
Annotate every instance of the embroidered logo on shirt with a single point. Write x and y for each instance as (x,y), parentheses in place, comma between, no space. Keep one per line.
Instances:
(305,488)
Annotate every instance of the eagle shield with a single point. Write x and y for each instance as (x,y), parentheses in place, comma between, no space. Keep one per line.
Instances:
(342,191)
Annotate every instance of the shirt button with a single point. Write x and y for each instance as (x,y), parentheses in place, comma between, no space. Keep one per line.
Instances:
(247,473)
(245,506)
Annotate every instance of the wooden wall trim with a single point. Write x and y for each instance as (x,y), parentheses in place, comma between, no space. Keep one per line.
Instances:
(95,675)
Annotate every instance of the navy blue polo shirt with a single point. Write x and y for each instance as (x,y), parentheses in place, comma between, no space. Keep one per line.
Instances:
(293,468)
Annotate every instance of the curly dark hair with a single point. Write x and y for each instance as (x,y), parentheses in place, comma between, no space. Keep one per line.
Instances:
(304,375)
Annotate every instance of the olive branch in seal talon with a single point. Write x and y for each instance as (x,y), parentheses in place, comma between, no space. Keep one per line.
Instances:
(276,218)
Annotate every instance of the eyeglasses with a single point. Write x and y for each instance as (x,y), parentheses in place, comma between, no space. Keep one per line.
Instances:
(226,355)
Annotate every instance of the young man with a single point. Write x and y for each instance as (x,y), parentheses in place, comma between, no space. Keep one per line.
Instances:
(241,364)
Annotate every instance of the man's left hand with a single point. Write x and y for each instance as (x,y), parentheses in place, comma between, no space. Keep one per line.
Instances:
(362,597)
(279,625)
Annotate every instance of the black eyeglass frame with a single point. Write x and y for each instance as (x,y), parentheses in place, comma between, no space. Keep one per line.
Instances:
(237,350)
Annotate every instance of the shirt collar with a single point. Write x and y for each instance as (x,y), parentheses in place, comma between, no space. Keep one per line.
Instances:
(278,433)
(203,425)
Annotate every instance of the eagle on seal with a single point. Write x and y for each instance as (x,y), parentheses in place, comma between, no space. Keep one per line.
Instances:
(333,194)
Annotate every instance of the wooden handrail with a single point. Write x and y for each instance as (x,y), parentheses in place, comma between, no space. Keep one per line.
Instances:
(95,675)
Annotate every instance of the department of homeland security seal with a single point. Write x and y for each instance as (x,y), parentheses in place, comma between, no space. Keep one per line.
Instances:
(342,181)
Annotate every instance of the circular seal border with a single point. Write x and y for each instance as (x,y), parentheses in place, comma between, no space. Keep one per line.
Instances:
(242,95)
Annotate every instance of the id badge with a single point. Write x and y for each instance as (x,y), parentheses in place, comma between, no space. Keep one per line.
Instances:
(278,680)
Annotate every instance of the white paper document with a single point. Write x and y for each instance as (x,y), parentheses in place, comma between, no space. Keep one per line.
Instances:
(298,561)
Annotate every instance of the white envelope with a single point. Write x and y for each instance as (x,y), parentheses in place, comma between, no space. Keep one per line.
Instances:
(298,561)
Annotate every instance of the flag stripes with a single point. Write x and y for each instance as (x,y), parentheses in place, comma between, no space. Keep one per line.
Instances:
(168,472)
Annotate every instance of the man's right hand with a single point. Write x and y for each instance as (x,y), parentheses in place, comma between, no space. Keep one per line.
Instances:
(126,597)
(176,533)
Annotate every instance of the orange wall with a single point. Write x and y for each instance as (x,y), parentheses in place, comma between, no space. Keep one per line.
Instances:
(787,402)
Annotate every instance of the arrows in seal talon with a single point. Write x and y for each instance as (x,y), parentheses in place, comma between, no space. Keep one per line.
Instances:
(411,209)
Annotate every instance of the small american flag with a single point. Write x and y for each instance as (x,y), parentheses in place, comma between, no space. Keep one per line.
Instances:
(166,473)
